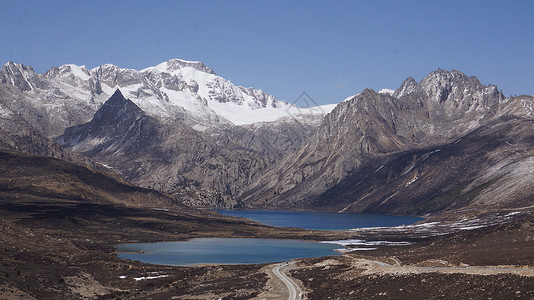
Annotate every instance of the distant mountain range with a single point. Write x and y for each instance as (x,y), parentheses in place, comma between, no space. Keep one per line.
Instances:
(188,91)
(445,142)
(183,130)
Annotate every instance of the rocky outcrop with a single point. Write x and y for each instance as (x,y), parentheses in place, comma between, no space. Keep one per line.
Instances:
(22,77)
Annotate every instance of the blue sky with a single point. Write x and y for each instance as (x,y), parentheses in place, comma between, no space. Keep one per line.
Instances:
(329,49)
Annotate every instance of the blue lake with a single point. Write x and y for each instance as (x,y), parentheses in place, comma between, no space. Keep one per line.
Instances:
(254,251)
(224,251)
(320,220)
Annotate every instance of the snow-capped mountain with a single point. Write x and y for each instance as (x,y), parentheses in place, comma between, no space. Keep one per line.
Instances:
(174,90)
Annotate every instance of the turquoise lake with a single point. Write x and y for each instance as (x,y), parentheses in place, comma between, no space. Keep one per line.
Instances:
(254,251)
(320,220)
(225,251)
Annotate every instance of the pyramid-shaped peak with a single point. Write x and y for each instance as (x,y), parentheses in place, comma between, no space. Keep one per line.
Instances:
(118,101)
(116,98)
(117,95)
(117,106)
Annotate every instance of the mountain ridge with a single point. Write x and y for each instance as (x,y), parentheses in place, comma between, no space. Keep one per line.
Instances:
(176,89)
(359,135)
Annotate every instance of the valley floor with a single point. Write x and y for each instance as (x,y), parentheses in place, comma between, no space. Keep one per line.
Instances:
(65,250)
(55,249)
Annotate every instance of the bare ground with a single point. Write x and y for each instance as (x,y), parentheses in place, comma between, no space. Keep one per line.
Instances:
(65,250)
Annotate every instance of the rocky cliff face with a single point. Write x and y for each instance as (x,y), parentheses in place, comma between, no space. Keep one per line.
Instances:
(364,133)
(272,139)
(486,168)
(16,134)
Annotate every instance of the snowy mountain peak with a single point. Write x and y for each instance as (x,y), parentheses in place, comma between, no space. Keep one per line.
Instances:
(13,65)
(70,71)
(175,64)
(78,71)
(21,76)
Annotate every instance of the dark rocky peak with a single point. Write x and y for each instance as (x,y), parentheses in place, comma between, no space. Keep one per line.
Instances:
(368,93)
(117,100)
(357,99)
(117,107)
(176,64)
(117,97)
(21,76)
(368,100)
(109,125)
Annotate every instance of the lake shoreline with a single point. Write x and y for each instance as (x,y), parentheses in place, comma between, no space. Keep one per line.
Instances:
(223,251)
(219,250)
(319,220)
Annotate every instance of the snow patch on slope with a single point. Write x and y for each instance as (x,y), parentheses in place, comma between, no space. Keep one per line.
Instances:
(78,71)
(350,97)
(386,92)
(5,112)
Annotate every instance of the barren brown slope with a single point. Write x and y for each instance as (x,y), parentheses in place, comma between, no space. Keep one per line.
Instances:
(29,175)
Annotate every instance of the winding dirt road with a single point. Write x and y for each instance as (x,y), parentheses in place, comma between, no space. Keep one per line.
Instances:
(373,266)
(292,287)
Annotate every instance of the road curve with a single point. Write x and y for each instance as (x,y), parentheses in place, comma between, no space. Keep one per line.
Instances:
(292,287)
